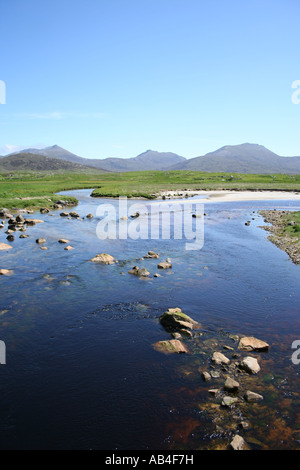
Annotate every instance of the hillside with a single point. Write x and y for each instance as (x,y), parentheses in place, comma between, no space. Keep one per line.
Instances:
(33,162)
(244,158)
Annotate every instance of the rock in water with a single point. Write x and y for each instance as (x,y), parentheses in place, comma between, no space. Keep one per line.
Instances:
(231,385)
(252,396)
(140,272)
(237,443)
(171,346)
(174,318)
(249,343)
(219,358)
(250,365)
(104,258)
(5,246)
(164,265)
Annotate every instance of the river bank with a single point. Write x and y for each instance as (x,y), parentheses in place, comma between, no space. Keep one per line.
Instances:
(284,230)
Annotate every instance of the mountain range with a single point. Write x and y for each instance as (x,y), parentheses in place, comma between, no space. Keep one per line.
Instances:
(243,158)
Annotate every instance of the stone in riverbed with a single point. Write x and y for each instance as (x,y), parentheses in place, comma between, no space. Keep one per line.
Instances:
(171,346)
(151,254)
(174,318)
(63,240)
(104,258)
(140,272)
(206,376)
(250,365)
(40,240)
(252,396)
(249,343)
(164,265)
(219,358)
(237,443)
(6,272)
(231,385)
(228,401)
(5,246)
(33,221)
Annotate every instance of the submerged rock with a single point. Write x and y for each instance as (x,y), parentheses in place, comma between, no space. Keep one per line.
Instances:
(252,396)
(171,346)
(104,258)
(5,246)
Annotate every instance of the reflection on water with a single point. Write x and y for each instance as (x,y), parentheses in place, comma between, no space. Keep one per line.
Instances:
(81,370)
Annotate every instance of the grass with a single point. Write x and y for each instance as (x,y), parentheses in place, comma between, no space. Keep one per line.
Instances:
(37,189)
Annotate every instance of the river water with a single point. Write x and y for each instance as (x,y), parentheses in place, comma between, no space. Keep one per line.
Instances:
(81,371)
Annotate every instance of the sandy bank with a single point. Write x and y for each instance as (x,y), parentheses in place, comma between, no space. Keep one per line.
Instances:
(232,196)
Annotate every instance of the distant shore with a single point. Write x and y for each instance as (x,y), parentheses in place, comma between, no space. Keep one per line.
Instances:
(232,195)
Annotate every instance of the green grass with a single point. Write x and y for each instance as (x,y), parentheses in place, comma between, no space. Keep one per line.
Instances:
(38,187)
(292,230)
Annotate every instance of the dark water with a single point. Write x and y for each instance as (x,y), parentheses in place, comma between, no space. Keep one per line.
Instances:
(81,371)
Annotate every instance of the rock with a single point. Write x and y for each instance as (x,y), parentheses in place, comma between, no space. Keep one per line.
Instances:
(250,365)
(156,275)
(89,216)
(23,236)
(20,219)
(10,238)
(44,248)
(174,319)
(69,247)
(228,401)
(196,216)
(64,214)
(231,385)
(4,246)
(164,265)
(44,210)
(40,240)
(171,346)
(252,396)
(141,272)
(63,240)
(124,217)
(33,221)
(135,215)
(74,214)
(151,254)
(6,272)
(219,358)
(249,343)
(237,443)
(247,223)
(104,258)
(206,376)
(214,391)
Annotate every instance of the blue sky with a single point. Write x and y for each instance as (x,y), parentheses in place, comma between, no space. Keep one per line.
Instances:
(106,78)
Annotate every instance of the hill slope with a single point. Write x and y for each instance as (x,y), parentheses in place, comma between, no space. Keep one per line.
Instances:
(34,162)
(244,158)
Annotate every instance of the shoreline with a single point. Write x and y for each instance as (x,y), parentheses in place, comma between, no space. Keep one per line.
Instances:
(224,195)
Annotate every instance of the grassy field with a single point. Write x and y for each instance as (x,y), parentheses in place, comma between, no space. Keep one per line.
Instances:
(37,189)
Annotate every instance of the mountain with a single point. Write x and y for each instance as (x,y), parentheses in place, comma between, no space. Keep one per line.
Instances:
(149,160)
(244,158)
(35,162)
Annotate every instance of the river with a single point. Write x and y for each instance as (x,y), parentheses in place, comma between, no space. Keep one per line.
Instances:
(81,371)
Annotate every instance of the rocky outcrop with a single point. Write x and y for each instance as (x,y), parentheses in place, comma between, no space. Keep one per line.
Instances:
(140,272)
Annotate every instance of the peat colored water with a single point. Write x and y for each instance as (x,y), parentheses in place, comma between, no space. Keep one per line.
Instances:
(81,371)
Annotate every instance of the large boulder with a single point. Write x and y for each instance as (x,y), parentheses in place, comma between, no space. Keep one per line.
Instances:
(249,343)
(104,258)
(174,319)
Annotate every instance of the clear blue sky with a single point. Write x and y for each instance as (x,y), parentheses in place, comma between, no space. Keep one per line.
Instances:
(106,78)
